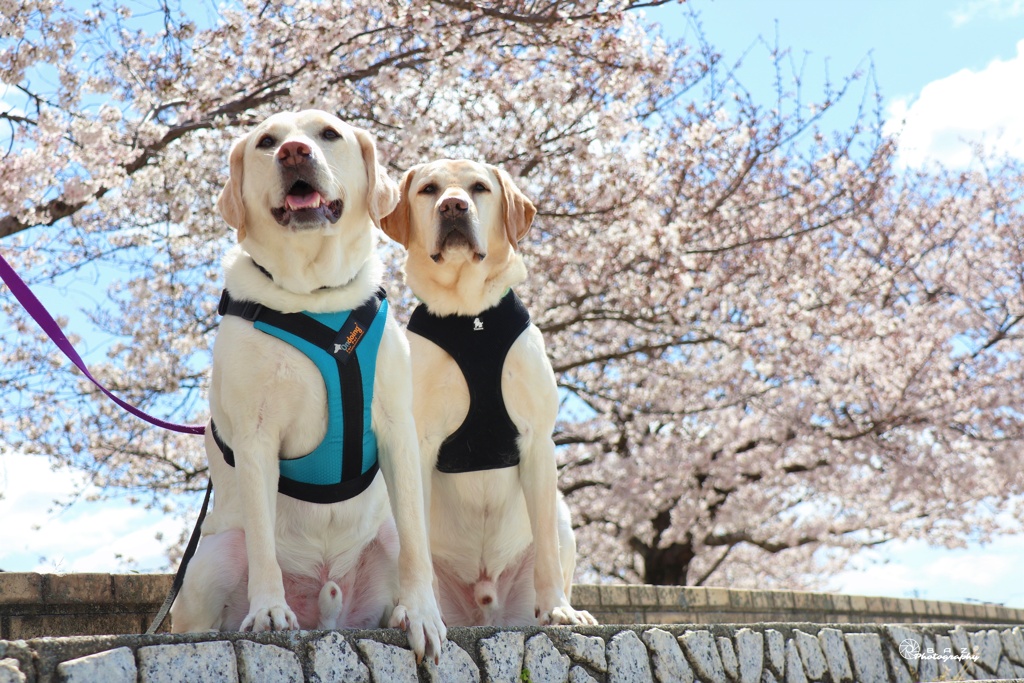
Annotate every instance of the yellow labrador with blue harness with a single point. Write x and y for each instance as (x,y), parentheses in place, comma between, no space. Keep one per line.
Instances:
(485,401)
(310,397)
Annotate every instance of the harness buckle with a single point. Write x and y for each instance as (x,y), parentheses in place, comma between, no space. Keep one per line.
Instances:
(250,310)
(247,310)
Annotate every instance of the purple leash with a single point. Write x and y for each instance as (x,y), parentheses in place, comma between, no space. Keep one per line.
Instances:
(39,313)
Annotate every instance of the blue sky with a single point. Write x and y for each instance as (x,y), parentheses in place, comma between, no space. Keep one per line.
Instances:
(912,42)
(949,70)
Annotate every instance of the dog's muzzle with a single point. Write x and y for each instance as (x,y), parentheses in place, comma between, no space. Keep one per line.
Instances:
(304,204)
(455,228)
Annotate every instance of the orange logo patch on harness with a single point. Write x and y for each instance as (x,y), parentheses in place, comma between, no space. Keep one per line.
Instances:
(349,344)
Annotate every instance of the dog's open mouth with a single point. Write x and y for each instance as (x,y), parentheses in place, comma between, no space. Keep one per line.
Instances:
(305,206)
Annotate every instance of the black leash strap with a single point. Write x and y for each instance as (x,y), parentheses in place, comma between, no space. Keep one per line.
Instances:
(179,577)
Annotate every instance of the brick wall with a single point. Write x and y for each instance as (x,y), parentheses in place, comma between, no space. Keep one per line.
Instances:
(42,605)
(618,604)
(39,605)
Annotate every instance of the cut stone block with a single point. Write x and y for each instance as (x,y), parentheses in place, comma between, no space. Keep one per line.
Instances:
(213,661)
(909,641)
(1013,645)
(667,660)
(389,662)
(587,650)
(962,646)
(1019,637)
(455,666)
(10,671)
(729,661)
(89,588)
(700,649)
(947,667)
(989,648)
(775,644)
(928,665)
(866,656)
(1005,670)
(794,667)
(811,655)
(333,659)
(898,667)
(112,666)
(259,663)
(834,648)
(502,655)
(20,588)
(628,661)
(140,588)
(578,675)
(544,662)
(750,653)
(614,595)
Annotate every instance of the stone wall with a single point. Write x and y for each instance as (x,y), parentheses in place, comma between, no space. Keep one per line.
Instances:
(666,635)
(763,653)
(38,605)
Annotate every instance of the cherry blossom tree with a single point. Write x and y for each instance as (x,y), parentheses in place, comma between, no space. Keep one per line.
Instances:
(774,348)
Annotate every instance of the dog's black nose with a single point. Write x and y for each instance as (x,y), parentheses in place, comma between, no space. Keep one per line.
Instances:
(294,153)
(453,206)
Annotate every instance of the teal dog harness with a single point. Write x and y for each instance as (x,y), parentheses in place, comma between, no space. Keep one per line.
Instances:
(343,346)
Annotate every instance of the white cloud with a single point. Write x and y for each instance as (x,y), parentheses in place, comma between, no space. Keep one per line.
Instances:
(915,569)
(962,569)
(969,107)
(87,537)
(880,579)
(997,9)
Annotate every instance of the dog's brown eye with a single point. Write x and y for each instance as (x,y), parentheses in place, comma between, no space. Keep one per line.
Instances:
(429,188)
(480,187)
(266,142)
(330,134)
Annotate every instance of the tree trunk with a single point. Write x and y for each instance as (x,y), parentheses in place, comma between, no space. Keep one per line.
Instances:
(667,566)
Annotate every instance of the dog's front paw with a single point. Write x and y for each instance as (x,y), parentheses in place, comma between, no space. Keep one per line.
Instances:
(423,626)
(272,616)
(565,615)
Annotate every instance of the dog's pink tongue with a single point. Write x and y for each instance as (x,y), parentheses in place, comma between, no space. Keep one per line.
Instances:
(294,202)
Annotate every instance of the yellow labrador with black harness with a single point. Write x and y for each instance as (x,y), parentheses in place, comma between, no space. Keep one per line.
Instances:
(310,397)
(485,401)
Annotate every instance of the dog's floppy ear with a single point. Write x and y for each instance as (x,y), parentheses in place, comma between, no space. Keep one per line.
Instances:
(230,202)
(381,191)
(396,224)
(519,211)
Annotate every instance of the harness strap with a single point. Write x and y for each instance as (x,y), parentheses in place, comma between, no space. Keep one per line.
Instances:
(301,490)
(341,345)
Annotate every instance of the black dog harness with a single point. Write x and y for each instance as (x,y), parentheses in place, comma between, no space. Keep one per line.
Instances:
(343,346)
(486,440)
